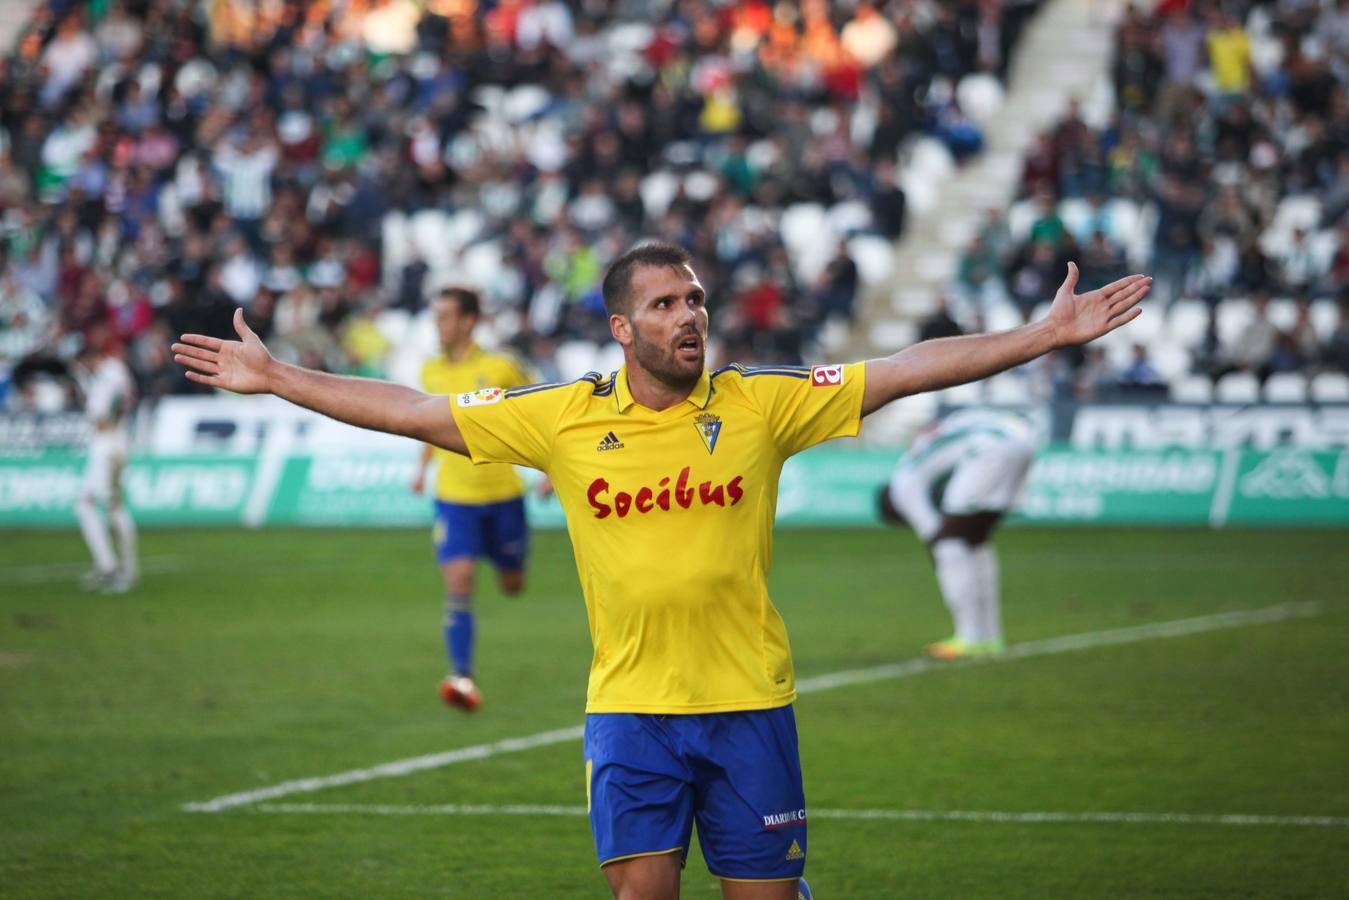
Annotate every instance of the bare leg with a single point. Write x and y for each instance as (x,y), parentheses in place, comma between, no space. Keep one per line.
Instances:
(653,877)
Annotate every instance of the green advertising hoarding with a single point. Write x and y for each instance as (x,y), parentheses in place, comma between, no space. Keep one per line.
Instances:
(162,490)
(827,486)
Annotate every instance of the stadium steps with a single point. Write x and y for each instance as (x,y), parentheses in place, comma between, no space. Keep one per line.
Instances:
(1065,52)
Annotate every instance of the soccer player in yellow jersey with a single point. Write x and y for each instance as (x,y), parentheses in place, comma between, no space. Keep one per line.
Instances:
(480,510)
(668,474)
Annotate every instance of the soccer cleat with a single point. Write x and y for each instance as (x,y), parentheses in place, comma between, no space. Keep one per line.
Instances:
(98,581)
(120,583)
(955,648)
(460,691)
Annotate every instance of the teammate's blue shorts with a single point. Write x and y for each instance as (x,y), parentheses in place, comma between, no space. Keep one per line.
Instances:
(494,530)
(738,774)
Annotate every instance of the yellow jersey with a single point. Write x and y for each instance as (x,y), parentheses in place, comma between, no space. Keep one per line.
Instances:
(457,479)
(671,520)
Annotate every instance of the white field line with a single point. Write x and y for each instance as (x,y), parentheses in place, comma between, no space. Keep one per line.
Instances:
(40,573)
(1066,644)
(847,815)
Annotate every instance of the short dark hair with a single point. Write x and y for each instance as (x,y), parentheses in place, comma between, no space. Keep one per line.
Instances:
(467,298)
(618,279)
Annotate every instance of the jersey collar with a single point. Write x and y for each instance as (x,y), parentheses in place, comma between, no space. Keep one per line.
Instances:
(701,393)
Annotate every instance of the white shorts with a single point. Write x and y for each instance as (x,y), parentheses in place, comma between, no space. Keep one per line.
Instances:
(108,453)
(987,480)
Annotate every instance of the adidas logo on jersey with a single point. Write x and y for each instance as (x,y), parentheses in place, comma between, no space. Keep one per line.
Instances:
(610,442)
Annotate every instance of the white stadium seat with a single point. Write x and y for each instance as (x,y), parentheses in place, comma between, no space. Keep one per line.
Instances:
(1330,387)
(1009,389)
(802,225)
(1192,389)
(575,358)
(875,258)
(1237,387)
(1187,321)
(1286,387)
(1325,316)
(1233,317)
(1283,313)
(980,96)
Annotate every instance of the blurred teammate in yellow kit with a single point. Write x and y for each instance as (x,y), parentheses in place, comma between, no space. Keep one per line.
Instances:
(479,510)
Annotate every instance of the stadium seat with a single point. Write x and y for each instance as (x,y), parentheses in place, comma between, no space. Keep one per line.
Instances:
(1002,317)
(430,234)
(393,324)
(575,358)
(1021,215)
(893,334)
(524,102)
(481,264)
(1237,387)
(1193,388)
(1233,317)
(847,218)
(1075,213)
(1187,321)
(610,358)
(936,267)
(1009,389)
(1325,315)
(1283,313)
(1170,358)
(875,258)
(920,193)
(658,190)
(802,225)
(701,186)
(915,300)
(1286,387)
(464,227)
(929,159)
(964,394)
(1330,387)
(897,424)
(1297,211)
(980,96)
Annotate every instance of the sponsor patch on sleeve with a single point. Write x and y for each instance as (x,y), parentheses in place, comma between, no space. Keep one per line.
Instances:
(484,397)
(826,376)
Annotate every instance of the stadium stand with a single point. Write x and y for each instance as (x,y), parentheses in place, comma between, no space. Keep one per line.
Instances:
(1221,165)
(326,164)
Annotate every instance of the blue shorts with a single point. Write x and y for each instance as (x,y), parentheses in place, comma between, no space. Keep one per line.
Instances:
(737,774)
(473,530)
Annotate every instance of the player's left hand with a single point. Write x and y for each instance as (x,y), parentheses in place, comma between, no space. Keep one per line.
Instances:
(1078,318)
(544,488)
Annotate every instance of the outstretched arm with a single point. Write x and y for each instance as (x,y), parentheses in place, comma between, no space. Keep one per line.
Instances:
(944,362)
(245,367)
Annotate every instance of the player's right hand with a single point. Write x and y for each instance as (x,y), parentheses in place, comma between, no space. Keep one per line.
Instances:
(240,366)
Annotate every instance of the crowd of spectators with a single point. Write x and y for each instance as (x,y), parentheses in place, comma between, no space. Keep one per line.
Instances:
(1223,170)
(162,161)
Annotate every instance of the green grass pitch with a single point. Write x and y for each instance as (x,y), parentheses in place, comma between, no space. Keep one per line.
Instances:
(248,659)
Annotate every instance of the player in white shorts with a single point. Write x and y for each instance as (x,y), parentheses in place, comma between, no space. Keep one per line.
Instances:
(109,396)
(962,474)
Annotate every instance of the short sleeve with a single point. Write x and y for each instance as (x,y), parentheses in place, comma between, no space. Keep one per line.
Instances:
(503,427)
(806,408)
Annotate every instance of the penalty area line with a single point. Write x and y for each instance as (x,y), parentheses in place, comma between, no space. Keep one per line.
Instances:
(846,815)
(1066,644)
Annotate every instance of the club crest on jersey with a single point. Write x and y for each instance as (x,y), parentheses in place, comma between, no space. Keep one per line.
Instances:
(485,397)
(709,427)
(826,376)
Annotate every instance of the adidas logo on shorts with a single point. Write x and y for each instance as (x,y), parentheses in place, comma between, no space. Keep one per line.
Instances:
(795,852)
(610,442)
